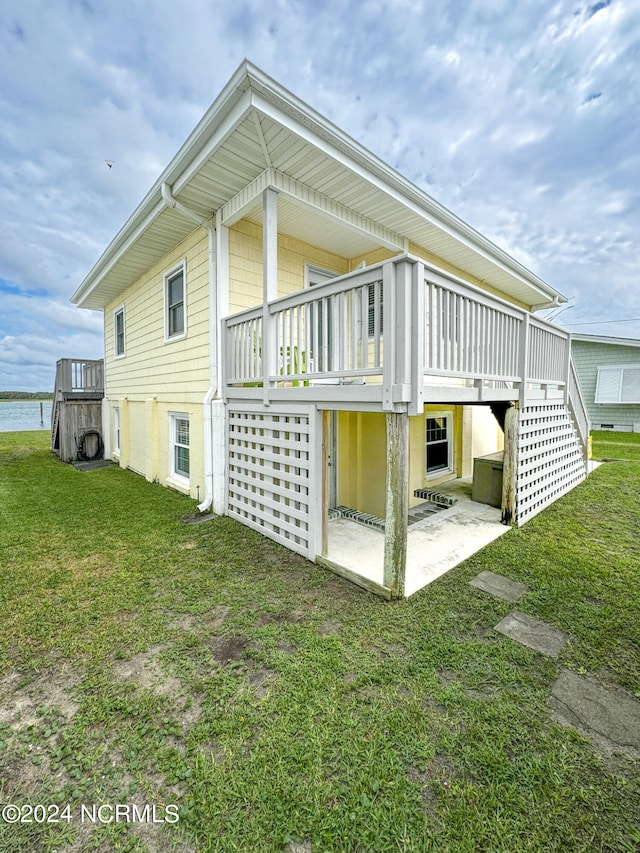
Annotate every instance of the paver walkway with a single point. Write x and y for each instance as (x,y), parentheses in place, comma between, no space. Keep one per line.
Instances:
(498,585)
(532,633)
(608,716)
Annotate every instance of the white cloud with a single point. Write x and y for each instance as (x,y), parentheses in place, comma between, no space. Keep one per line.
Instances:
(523,119)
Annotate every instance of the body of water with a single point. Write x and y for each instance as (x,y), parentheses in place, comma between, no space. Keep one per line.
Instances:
(24,415)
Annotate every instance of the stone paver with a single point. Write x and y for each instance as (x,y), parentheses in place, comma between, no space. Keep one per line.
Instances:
(498,585)
(610,717)
(532,633)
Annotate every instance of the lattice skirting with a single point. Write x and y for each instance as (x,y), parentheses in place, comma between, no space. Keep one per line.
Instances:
(550,460)
(270,474)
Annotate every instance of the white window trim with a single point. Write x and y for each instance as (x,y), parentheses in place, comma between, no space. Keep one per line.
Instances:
(175,476)
(116,431)
(448,414)
(170,273)
(312,271)
(620,368)
(116,354)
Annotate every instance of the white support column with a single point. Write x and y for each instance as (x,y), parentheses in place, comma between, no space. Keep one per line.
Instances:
(219,456)
(269,284)
(417,335)
(397,376)
(567,368)
(222,275)
(524,357)
(390,320)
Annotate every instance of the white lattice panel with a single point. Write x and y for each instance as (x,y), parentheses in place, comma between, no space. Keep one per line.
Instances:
(269,475)
(550,460)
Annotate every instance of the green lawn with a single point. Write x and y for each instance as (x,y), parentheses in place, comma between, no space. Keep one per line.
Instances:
(615,445)
(147,661)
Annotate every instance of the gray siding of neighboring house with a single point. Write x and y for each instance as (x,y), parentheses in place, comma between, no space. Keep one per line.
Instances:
(588,356)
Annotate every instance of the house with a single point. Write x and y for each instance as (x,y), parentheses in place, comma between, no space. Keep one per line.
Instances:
(295,332)
(608,371)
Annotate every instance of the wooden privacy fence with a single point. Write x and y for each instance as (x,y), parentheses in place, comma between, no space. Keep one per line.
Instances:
(396,324)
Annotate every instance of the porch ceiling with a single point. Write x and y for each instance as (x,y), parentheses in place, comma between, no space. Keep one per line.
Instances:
(256,125)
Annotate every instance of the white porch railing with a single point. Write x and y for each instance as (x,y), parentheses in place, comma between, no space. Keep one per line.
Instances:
(397,325)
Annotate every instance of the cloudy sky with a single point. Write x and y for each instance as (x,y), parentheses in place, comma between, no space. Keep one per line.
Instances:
(522,117)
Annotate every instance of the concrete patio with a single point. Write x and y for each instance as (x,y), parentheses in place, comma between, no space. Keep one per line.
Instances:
(435,545)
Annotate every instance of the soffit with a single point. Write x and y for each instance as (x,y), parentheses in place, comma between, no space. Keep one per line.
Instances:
(258,141)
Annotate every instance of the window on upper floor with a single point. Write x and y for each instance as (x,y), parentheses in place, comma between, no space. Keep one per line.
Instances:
(175,302)
(619,384)
(118,332)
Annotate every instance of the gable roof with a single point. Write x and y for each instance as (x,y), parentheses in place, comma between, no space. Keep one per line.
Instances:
(335,194)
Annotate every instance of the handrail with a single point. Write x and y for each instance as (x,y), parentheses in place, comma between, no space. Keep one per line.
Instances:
(79,375)
(578,406)
(364,326)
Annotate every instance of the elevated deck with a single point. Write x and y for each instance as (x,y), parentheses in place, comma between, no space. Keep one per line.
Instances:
(391,337)
(76,414)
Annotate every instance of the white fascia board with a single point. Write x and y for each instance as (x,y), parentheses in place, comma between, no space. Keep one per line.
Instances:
(310,199)
(602,339)
(286,110)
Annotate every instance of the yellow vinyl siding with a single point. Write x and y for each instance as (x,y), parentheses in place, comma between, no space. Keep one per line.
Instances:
(155,377)
(245,264)
(362,454)
(178,368)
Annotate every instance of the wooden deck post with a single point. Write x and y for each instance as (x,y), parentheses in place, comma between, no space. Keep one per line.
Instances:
(397,508)
(510,466)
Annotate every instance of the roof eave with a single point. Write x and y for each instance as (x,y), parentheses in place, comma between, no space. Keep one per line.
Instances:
(249,79)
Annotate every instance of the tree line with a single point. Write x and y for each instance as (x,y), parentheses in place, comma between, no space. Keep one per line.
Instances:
(26,395)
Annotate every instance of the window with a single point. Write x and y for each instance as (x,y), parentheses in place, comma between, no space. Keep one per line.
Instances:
(118,332)
(320,321)
(373,290)
(439,441)
(116,430)
(175,303)
(180,447)
(620,384)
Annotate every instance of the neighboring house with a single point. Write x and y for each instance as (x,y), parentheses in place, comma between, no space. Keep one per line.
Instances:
(292,326)
(609,375)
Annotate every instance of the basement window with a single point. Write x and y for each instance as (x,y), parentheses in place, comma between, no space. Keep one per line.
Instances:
(179,467)
(439,444)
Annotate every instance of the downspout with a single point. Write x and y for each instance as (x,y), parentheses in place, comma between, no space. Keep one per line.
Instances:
(170,201)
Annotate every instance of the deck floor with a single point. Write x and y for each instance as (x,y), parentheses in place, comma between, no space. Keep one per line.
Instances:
(434,546)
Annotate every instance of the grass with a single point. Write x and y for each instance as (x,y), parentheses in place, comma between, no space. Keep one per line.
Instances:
(615,445)
(145,660)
